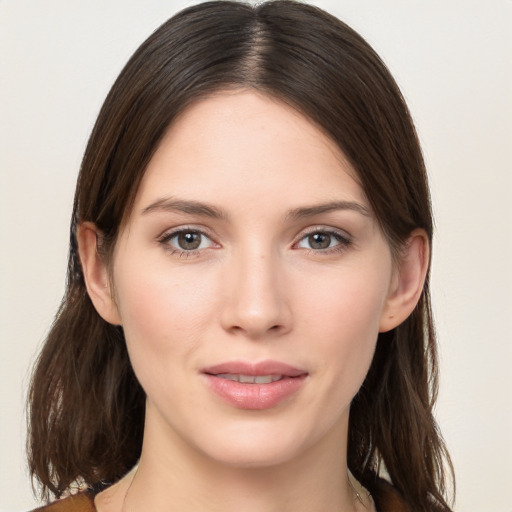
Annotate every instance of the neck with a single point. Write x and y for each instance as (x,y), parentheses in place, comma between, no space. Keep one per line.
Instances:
(173,476)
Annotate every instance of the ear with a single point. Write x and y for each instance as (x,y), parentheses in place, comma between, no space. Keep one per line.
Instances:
(408,280)
(95,273)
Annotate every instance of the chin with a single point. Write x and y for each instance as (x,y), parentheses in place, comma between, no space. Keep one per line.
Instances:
(257,447)
(254,457)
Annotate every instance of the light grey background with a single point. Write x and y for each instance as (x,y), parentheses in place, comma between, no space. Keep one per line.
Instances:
(453,60)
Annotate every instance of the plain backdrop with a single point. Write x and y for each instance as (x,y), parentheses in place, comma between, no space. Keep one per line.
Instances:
(453,61)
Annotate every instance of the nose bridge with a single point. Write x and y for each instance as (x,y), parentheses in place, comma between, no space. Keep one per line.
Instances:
(256,303)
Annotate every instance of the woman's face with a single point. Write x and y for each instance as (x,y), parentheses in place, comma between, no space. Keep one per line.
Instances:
(251,280)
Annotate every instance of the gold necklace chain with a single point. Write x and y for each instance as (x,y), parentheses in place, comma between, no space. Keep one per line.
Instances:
(361,495)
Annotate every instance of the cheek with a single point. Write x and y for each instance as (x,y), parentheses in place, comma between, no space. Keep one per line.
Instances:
(343,314)
(350,300)
(164,316)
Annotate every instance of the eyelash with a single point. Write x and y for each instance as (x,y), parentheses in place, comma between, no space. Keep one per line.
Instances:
(167,237)
(342,239)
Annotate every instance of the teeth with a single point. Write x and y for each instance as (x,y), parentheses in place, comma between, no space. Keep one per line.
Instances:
(228,376)
(250,379)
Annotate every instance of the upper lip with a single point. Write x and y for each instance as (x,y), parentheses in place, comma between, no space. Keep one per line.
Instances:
(248,368)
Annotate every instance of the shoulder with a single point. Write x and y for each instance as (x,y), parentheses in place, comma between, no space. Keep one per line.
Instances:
(81,502)
(387,498)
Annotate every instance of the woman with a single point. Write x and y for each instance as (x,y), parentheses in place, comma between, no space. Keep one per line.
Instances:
(247,320)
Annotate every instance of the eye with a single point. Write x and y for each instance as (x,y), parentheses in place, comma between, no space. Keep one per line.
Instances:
(323,241)
(187,240)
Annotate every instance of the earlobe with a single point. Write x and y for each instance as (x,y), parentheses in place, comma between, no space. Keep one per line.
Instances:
(408,281)
(95,273)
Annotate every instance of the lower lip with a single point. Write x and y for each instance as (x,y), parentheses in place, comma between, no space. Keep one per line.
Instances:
(255,396)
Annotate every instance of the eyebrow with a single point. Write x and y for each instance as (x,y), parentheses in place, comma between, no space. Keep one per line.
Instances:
(311,211)
(170,204)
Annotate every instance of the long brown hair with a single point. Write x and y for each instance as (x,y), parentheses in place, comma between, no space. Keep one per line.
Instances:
(86,406)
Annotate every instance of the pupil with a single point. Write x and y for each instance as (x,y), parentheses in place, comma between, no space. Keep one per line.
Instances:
(319,241)
(189,241)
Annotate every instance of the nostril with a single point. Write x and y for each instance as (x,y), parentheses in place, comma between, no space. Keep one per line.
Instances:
(276,328)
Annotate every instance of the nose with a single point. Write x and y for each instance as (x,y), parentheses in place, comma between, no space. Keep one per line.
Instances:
(255,302)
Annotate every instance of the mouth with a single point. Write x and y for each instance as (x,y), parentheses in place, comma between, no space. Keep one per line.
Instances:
(243,371)
(254,386)
(250,379)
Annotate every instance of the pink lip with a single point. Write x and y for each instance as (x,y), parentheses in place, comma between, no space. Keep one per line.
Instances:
(254,396)
(261,368)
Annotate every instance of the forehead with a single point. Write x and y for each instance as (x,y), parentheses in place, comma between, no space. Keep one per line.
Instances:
(246,145)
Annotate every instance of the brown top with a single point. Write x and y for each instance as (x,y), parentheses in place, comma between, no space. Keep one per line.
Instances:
(81,502)
(385,496)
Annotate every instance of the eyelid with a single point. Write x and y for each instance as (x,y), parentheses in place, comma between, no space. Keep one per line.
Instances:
(169,232)
(330,230)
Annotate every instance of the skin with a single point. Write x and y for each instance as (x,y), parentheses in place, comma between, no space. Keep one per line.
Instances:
(256,288)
